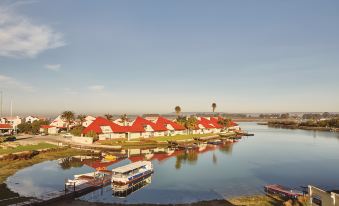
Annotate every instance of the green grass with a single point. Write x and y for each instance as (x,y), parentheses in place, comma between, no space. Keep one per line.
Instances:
(180,137)
(9,167)
(22,148)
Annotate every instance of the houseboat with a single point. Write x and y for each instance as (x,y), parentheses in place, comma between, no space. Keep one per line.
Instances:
(92,178)
(131,172)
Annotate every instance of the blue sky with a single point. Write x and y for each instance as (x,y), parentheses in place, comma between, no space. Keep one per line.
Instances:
(149,56)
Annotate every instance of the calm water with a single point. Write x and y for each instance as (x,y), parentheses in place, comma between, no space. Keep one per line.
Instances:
(289,157)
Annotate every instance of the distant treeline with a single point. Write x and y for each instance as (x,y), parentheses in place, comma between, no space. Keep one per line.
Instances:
(312,116)
(331,123)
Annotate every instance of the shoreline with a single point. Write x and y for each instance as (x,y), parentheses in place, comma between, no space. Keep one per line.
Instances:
(290,126)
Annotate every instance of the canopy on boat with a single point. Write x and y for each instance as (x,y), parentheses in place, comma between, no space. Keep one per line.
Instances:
(131,167)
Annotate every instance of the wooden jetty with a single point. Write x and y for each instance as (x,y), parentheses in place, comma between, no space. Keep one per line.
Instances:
(67,193)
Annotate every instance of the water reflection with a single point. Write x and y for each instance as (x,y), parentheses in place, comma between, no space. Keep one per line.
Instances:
(69,162)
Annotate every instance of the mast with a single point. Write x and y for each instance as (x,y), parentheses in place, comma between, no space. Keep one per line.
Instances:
(1,103)
(11,108)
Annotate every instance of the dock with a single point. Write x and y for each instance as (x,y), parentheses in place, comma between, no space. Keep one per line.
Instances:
(67,193)
(283,191)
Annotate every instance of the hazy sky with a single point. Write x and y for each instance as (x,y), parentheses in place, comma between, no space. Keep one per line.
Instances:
(149,56)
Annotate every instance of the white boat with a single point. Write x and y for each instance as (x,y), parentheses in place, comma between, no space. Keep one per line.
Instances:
(131,172)
(92,178)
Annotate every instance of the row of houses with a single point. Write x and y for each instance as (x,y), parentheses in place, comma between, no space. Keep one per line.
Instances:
(9,124)
(144,128)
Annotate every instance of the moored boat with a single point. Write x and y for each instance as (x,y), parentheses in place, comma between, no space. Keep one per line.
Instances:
(283,191)
(93,178)
(131,172)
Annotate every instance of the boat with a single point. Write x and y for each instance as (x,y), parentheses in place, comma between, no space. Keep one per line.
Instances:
(123,191)
(283,191)
(92,178)
(131,172)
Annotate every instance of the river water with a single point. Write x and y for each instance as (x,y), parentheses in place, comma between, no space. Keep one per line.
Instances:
(292,158)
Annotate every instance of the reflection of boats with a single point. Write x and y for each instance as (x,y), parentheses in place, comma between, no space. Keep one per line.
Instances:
(126,189)
(282,191)
(110,157)
(92,178)
(215,142)
(131,172)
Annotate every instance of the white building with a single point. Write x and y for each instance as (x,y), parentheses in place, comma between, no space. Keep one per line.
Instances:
(14,121)
(88,121)
(59,122)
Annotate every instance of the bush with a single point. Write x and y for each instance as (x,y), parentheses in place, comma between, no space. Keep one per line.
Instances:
(77,131)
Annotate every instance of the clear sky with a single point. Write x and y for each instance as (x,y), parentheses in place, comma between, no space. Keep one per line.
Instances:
(149,56)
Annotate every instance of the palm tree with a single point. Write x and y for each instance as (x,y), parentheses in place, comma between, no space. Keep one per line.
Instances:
(177,110)
(81,118)
(124,118)
(191,123)
(68,117)
(109,116)
(214,105)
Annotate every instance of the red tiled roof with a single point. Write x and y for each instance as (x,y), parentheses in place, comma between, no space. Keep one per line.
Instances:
(141,122)
(232,124)
(163,121)
(5,126)
(214,121)
(95,126)
(206,123)
(46,126)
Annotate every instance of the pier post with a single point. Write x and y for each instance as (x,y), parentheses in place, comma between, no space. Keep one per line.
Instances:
(74,186)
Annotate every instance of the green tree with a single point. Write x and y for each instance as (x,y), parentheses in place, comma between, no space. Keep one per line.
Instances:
(77,130)
(177,110)
(214,106)
(81,118)
(36,125)
(109,117)
(68,117)
(25,128)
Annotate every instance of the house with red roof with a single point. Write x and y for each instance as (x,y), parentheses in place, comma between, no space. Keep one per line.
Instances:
(49,129)
(106,129)
(59,123)
(6,129)
(13,121)
(172,127)
(206,126)
(150,129)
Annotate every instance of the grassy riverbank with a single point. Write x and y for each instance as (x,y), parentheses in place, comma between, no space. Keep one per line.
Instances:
(180,137)
(20,148)
(9,167)
(153,141)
